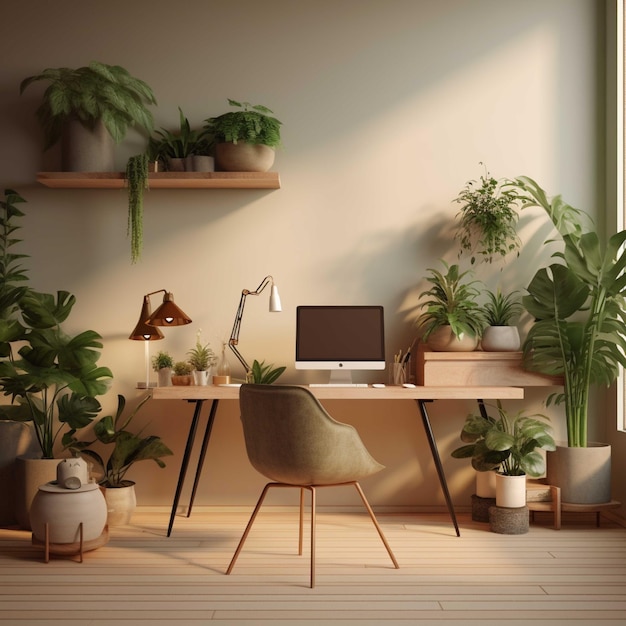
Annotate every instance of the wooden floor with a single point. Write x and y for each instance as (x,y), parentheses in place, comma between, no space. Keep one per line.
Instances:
(575,576)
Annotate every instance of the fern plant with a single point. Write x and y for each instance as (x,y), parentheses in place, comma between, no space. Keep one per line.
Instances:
(95,92)
(250,124)
(488,219)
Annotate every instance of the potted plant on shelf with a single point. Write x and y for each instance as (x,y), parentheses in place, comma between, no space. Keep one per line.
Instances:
(579,333)
(452,319)
(128,449)
(181,374)
(94,106)
(245,139)
(162,364)
(508,444)
(487,220)
(501,312)
(201,359)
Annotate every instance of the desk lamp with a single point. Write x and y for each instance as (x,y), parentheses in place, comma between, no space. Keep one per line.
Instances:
(275,307)
(147,327)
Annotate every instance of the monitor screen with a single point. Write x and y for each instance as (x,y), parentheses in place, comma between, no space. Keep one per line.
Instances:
(340,338)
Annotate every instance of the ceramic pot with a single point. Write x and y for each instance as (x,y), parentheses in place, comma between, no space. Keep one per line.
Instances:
(486,484)
(243,157)
(175,164)
(164,377)
(510,491)
(185,380)
(583,474)
(121,503)
(203,163)
(444,340)
(72,473)
(16,439)
(501,339)
(85,149)
(64,510)
(29,475)
(201,377)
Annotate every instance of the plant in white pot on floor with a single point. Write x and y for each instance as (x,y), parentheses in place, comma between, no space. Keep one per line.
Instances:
(579,333)
(128,448)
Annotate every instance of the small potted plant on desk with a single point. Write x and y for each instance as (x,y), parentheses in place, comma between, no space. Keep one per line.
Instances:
(452,319)
(128,448)
(201,359)
(182,373)
(508,444)
(162,364)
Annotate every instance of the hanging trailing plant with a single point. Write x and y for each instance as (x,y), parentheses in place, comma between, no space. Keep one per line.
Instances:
(137,181)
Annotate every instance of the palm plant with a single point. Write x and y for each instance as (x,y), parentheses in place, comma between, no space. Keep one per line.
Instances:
(451,301)
(578,302)
(92,93)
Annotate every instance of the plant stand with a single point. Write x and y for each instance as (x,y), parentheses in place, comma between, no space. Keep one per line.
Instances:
(480,508)
(507,521)
(71,549)
(542,497)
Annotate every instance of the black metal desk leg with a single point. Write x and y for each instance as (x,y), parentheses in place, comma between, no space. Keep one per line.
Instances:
(205,444)
(437,459)
(185,462)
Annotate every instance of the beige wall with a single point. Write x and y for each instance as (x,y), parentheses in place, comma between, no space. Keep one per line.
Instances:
(388,109)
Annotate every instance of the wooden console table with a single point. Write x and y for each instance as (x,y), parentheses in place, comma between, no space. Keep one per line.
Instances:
(421,395)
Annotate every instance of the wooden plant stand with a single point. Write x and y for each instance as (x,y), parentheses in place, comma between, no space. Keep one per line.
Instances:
(70,549)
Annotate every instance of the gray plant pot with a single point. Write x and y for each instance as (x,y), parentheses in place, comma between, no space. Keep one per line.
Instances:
(583,474)
(243,157)
(87,150)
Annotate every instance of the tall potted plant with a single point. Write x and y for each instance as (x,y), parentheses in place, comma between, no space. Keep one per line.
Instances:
(128,449)
(451,318)
(95,105)
(579,333)
(246,138)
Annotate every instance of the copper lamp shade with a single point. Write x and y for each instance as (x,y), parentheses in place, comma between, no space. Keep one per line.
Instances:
(143,331)
(168,314)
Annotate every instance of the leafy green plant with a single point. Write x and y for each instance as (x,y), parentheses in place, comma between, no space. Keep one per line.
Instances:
(161,360)
(182,368)
(137,182)
(250,124)
(502,309)
(201,357)
(508,443)
(128,448)
(182,143)
(488,219)
(451,301)
(578,304)
(261,374)
(95,92)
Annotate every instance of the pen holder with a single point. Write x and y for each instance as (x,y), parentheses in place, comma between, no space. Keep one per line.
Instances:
(398,374)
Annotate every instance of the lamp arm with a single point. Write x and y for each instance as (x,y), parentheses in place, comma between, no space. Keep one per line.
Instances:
(234,335)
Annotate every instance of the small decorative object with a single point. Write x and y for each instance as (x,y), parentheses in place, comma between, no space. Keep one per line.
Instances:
(128,448)
(246,138)
(451,306)
(501,312)
(201,359)
(488,219)
(72,473)
(90,96)
(222,376)
(182,373)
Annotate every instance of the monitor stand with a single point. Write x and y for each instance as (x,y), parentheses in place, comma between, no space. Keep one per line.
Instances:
(340,377)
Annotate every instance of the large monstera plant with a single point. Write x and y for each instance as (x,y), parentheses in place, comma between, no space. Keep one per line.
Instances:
(577,302)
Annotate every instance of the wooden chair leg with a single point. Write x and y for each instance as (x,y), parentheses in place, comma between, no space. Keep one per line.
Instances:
(378,528)
(313,503)
(301,520)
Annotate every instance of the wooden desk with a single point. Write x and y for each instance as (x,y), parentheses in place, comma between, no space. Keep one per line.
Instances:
(420,395)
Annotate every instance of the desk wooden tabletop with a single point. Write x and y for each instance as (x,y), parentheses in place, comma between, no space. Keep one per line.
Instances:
(222,392)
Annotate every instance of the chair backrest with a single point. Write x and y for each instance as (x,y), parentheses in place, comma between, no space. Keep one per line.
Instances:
(290,438)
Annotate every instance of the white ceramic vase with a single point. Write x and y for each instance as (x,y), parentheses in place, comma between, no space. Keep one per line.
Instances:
(510,491)
(201,377)
(121,503)
(501,339)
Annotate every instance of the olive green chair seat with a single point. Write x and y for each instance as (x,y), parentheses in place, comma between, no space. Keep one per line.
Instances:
(293,441)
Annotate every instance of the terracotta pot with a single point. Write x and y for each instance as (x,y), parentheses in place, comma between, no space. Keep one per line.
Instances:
(583,474)
(501,339)
(185,380)
(510,491)
(444,340)
(243,157)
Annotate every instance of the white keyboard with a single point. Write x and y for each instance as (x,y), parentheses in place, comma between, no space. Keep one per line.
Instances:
(338,385)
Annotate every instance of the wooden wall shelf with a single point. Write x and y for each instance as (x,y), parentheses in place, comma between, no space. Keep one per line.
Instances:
(162,180)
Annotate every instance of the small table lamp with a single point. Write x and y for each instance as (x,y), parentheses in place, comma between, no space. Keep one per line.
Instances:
(275,306)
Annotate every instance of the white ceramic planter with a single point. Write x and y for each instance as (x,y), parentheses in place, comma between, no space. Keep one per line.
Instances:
(65,509)
(510,491)
(486,484)
(201,377)
(121,503)
(501,339)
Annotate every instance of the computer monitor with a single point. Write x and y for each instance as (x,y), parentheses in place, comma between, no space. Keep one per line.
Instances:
(340,339)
